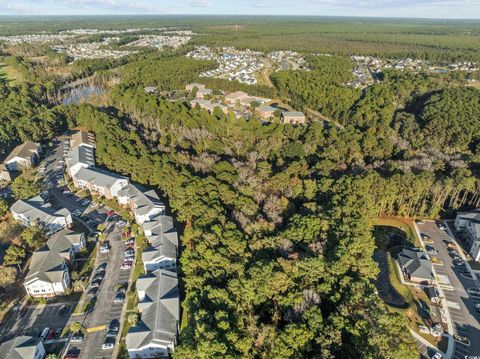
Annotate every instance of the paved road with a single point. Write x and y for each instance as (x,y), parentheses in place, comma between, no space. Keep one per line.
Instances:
(460,304)
(105,310)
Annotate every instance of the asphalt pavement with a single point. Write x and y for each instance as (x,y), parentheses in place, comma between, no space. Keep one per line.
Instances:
(464,317)
(33,319)
(105,310)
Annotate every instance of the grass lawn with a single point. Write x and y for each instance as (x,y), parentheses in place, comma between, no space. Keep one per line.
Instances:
(410,295)
(405,224)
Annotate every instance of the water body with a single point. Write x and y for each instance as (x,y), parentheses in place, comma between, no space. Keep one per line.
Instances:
(81,94)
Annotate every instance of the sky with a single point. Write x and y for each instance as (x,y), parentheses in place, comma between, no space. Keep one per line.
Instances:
(377,8)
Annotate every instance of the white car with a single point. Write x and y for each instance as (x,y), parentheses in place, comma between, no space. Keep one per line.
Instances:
(108,346)
(437,356)
(44,333)
(76,339)
(126,266)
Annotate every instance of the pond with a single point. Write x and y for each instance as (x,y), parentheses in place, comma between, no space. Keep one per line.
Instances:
(81,94)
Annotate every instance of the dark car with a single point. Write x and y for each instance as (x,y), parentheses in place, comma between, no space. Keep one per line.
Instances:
(112,333)
(92,292)
(114,325)
(62,310)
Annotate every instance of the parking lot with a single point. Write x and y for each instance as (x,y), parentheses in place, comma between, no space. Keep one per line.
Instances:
(32,320)
(105,309)
(60,196)
(461,305)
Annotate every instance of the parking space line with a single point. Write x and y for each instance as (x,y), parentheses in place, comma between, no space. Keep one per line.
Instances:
(96,329)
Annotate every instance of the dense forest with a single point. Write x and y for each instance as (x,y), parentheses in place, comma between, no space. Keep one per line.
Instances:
(276,252)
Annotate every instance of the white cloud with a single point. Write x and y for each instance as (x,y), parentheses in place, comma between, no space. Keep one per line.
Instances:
(199,3)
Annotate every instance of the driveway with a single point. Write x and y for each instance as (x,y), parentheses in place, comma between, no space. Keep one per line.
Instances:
(105,310)
(465,319)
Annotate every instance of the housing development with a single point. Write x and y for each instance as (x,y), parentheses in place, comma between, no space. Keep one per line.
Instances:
(239,186)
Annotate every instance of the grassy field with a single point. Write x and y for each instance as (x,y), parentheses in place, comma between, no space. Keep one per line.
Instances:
(404,224)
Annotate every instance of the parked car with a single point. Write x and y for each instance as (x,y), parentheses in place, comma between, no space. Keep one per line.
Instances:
(437,356)
(126,266)
(430,249)
(109,344)
(101,267)
(51,334)
(119,298)
(92,292)
(130,241)
(441,226)
(111,334)
(99,276)
(95,284)
(58,332)
(44,333)
(62,310)
(114,325)
(76,339)
(71,356)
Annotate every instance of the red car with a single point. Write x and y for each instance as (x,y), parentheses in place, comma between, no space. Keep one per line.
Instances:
(110,213)
(51,334)
(71,356)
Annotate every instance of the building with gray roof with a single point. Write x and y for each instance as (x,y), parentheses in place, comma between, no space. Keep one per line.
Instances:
(23,156)
(66,243)
(416,265)
(159,304)
(80,157)
(468,224)
(163,239)
(82,138)
(144,204)
(37,212)
(47,275)
(22,347)
(99,181)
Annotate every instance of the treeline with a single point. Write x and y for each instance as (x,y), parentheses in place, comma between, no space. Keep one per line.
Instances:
(278,220)
(276,260)
(436,42)
(322,89)
(25,115)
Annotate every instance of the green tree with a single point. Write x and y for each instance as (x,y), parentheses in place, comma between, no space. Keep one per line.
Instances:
(3,206)
(76,328)
(7,276)
(34,237)
(132,319)
(14,255)
(24,187)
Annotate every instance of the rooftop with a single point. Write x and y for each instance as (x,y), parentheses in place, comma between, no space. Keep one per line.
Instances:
(21,347)
(25,150)
(82,138)
(159,305)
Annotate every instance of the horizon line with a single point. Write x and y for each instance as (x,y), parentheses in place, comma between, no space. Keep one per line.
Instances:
(240,15)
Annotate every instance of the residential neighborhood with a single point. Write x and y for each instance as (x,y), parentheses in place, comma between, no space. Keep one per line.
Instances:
(230,179)
(53,268)
(241,105)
